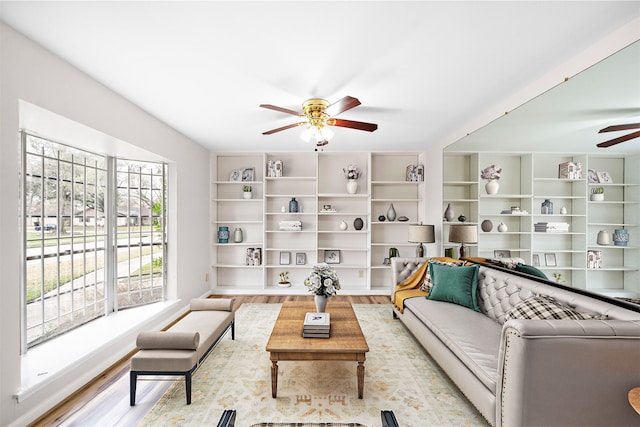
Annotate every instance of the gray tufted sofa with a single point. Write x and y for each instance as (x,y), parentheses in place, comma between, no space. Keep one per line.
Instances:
(531,372)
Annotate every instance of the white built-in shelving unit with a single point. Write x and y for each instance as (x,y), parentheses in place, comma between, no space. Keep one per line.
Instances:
(314,179)
(527,180)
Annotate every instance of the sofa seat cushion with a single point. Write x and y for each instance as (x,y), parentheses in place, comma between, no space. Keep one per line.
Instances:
(208,323)
(471,336)
(164,360)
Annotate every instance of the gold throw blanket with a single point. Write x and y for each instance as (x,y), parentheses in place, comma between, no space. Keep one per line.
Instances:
(410,287)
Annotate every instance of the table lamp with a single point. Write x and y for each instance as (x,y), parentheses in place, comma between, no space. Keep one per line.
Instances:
(421,234)
(463,233)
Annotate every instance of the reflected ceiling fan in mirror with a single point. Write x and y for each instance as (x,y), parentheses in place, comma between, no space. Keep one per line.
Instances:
(317,114)
(622,138)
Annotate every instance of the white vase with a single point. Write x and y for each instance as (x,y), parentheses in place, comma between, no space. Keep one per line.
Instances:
(321,303)
(247,194)
(492,186)
(352,186)
(502,228)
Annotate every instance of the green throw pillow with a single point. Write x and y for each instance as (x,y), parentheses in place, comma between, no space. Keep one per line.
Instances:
(530,269)
(457,285)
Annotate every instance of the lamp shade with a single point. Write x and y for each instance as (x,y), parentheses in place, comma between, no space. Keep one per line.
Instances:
(421,234)
(459,233)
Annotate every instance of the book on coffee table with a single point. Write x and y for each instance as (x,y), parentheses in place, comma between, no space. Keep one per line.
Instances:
(316,325)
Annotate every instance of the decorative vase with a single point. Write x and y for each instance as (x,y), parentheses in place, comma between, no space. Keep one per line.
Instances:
(358,223)
(486,225)
(603,238)
(293,205)
(237,235)
(391,213)
(492,186)
(223,234)
(620,237)
(321,303)
(502,227)
(247,194)
(448,213)
(343,225)
(352,186)
(547,207)
(596,197)
(563,210)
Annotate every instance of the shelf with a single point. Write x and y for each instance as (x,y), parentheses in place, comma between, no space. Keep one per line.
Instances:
(396,182)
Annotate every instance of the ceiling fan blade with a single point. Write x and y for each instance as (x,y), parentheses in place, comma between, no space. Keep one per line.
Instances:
(370,127)
(283,110)
(620,127)
(269,132)
(342,105)
(620,139)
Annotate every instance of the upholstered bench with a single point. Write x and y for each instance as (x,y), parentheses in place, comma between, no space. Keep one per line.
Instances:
(182,348)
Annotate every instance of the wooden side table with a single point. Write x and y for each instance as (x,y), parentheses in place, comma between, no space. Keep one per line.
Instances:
(634,398)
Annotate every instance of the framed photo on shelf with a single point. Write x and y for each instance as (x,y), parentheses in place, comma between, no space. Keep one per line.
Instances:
(593,177)
(604,178)
(502,253)
(247,174)
(536,260)
(301,258)
(550,260)
(235,175)
(285,258)
(332,256)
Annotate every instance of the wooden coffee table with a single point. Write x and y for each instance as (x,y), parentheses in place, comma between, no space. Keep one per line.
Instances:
(346,341)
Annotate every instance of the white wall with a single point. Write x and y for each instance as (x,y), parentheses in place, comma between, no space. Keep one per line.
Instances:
(31,74)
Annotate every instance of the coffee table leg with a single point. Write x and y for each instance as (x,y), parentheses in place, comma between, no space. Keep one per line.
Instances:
(360,379)
(274,378)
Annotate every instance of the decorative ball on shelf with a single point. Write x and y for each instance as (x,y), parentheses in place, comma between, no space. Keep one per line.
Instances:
(381,218)
(343,225)
(462,218)
(486,225)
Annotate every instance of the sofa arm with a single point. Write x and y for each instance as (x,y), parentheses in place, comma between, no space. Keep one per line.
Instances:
(219,304)
(567,372)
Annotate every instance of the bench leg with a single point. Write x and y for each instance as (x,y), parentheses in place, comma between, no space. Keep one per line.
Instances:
(233,330)
(187,384)
(133,377)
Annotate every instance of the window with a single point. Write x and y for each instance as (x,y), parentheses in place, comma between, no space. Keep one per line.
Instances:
(94,236)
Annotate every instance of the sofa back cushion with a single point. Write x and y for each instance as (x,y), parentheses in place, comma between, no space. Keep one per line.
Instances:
(500,291)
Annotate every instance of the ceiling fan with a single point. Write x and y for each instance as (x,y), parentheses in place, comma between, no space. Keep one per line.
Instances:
(318,113)
(622,138)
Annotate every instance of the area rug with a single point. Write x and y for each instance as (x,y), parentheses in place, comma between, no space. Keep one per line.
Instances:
(399,376)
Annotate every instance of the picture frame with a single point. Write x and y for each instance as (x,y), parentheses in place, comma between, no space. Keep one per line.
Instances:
(301,258)
(604,178)
(550,260)
(536,260)
(248,174)
(235,175)
(285,258)
(593,177)
(332,256)
(502,253)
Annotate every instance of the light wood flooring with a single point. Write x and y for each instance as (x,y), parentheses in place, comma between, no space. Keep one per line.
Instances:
(105,401)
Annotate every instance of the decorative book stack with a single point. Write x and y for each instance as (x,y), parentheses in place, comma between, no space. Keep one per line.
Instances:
(290,225)
(316,325)
(551,227)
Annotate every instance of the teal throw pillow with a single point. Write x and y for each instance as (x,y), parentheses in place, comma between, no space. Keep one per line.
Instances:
(457,285)
(530,269)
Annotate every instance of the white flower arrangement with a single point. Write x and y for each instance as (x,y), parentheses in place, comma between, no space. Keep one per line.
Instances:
(352,171)
(323,280)
(491,172)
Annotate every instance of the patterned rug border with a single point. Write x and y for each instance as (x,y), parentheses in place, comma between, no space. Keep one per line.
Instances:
(399,376)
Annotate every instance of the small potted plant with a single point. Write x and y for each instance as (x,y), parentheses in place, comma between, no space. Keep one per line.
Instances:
(284,280)
(246,191)
(597,194)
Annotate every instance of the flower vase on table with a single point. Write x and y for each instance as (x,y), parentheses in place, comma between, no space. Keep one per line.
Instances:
(322,282)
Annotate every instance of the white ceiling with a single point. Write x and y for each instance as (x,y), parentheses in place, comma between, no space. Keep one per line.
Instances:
(422,70)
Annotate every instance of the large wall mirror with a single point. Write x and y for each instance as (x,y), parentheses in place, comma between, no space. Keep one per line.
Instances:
(582,240)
